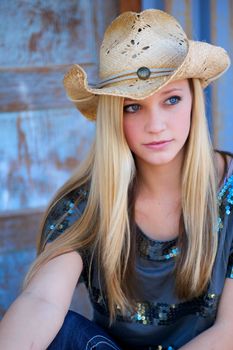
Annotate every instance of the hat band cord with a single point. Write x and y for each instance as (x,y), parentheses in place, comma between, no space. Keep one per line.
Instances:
(155,72)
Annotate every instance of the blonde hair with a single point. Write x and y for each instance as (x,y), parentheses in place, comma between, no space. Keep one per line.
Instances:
(198,241)
(105,224)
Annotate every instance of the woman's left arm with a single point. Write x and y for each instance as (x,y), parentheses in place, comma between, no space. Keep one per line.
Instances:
(219,336)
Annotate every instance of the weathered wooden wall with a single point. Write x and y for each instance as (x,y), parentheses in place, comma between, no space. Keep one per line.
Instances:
(42,137)
(211,21)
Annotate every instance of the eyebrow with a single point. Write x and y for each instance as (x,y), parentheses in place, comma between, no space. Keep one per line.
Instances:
(171,90)
(162,93)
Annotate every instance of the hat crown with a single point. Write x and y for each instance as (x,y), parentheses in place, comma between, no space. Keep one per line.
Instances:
(140,54)
(152,39)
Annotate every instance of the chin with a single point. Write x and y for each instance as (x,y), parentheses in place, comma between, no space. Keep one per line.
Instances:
(162,158)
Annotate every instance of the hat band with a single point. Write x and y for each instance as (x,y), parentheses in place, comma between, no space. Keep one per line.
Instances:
(142,73)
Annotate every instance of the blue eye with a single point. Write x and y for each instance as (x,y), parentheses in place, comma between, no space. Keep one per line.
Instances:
(173,100)
(132,108)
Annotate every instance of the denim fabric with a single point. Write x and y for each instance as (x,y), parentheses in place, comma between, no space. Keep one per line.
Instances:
(78,333)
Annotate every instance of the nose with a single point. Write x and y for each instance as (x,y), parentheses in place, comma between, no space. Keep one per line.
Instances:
(155,122)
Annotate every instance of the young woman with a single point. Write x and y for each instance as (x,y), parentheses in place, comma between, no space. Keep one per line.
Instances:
(147,221)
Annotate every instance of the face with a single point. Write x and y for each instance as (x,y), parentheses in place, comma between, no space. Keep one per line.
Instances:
(157,127)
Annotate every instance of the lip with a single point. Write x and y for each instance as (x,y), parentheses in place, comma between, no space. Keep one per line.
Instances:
(157,144)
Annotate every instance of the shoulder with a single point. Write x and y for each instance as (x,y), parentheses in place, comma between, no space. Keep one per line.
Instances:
(225,193)
(64,212)
(224,165)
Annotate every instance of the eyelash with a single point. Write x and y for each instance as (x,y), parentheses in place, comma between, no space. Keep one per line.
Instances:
(126,108)
(177,97)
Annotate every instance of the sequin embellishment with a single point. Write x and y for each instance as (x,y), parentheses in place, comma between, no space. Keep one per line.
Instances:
(155,250)
(225,200)
(61,217)
(162,314)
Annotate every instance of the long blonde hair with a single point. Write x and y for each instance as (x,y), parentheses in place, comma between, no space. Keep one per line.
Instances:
(105,224)
(198,241)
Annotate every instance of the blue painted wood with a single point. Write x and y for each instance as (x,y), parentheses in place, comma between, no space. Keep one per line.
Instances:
(150,4)
(34,88)
(38,150)
(42,136)
(201,30)
(44,31)
(13,268)
(222,34)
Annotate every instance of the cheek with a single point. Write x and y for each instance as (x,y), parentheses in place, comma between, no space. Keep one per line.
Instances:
(185,122)
(181,124)
(125,127)
(130,132)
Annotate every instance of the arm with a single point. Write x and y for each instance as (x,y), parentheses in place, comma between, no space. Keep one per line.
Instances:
(36,316)
(219,336)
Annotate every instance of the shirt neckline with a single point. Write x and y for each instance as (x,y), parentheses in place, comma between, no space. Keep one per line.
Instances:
(156,250)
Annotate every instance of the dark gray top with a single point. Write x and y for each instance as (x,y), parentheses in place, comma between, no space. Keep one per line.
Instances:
(161,318)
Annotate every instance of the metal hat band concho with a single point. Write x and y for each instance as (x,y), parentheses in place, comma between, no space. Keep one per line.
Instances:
(142,73)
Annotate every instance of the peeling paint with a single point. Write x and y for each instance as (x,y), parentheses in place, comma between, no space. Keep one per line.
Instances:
(34,41)
(42,136)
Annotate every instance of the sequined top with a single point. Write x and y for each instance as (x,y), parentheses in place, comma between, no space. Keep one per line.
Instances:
(161,321)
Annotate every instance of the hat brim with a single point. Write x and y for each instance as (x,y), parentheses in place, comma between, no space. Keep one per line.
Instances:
(203,61)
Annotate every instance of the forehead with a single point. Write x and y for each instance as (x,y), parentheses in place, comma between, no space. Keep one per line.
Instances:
(174,86)
(179,84)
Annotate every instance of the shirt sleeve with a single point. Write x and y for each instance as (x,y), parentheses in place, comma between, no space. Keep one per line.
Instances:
(225,199)
(229,213)
(62,216)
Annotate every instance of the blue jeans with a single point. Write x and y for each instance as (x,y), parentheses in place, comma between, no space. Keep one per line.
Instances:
(78,333)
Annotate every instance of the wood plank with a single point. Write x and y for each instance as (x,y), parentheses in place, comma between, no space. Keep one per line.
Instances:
(130,5)
(49,39)
(104,13)
(45,33)
(39,150)
(222,94)
(13,268)
(36,88)
(43,137)
(19,230)
(17,252)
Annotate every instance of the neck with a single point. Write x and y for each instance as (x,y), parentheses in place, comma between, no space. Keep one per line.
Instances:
(160,180)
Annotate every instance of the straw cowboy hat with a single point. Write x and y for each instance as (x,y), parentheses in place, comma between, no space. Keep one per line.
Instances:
(140,54)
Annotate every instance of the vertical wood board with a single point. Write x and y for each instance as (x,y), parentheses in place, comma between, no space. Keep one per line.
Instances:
(222,35)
